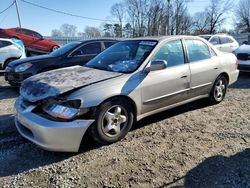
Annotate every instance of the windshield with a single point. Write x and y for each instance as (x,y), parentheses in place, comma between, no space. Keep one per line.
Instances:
(123,57)
(64,49)
(207,37)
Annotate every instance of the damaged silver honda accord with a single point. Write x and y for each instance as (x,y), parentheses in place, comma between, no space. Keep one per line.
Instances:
(127,82)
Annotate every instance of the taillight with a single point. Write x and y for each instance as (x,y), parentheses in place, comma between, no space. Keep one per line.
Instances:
(236,63)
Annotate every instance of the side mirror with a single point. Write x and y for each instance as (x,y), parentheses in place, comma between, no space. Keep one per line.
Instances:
(157,65)
(77,53)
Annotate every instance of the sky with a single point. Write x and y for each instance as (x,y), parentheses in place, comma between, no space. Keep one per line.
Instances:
(43,21)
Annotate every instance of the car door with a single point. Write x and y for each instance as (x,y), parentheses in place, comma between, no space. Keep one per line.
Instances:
(168,86)
(25,36)
(225,44)
(204,67)
(82,54)
(37,41)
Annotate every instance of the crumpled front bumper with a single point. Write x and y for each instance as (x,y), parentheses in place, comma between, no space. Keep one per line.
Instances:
(50,135)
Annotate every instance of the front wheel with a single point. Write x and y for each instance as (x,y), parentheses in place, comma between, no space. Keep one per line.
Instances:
(219,90)
(114,119)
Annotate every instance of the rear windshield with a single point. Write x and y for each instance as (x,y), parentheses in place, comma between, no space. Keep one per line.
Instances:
(207,37)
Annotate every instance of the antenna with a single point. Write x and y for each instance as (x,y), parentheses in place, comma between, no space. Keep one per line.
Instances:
(18,14)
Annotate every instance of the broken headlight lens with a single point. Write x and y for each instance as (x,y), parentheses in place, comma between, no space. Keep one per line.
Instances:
(64,110)
(23,67)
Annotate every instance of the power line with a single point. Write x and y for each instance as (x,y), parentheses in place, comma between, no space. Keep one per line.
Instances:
(65,13)
(7,8)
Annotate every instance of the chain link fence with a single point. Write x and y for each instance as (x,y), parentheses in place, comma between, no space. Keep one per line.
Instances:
(65,40)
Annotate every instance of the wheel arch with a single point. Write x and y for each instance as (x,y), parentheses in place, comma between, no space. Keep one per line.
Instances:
(225,75)
(127,98)
(8,61)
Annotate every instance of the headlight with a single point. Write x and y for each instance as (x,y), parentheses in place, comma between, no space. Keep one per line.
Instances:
(23,67)
(64,110)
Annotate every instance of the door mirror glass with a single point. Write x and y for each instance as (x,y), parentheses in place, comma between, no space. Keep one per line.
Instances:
(158,65)
(77,53)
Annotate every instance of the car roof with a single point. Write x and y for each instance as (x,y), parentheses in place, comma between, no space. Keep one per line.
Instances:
(100,40)
(218,34)
(5,39)
(163,38)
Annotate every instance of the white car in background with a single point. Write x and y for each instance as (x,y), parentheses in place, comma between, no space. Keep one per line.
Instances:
(243,55)
(10,50)
(222,42)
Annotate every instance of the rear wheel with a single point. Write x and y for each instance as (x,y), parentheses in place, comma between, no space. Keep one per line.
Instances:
(54,48)
(114,119)
(219,90)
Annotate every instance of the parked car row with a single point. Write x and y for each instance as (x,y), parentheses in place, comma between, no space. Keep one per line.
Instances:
(130,80)
(74,53)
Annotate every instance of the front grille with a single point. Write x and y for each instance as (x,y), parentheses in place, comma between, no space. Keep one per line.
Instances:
(243,56)
(10,76)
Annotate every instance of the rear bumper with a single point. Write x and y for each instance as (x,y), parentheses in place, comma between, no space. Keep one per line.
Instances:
(244,68)
(233,76)
(49,135)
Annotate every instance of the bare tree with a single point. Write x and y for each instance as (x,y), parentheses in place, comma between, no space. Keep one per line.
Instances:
(68,30)
(155,17)
(92,32)
(200,21)
(56,33)
(216,13)
(117,10)
(137,12)
(242,13)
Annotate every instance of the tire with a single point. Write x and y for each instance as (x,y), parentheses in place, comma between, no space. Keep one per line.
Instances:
(113,120)
(54,48)
(219,90)
(13,84)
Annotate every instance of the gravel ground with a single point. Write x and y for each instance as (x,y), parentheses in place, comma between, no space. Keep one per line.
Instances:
(195,145)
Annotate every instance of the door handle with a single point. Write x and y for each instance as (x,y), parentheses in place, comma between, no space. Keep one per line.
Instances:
(215,68)
(184,76)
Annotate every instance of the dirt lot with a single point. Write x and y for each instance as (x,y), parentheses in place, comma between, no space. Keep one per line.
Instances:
(195,145)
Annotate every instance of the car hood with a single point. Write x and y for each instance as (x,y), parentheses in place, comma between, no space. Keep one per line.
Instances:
(30,59)
(56,82)
(243,49)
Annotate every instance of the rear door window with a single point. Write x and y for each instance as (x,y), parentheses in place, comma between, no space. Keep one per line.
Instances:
(225,40)
(197,50)
(91,48)
(4,44)
(108,44)
(215,40)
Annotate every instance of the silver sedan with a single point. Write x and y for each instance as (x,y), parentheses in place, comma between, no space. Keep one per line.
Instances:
(125,83)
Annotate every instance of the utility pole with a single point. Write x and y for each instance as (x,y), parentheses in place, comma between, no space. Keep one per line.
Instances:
(18,14)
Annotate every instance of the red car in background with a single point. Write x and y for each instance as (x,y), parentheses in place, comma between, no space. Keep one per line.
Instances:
(33,41)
